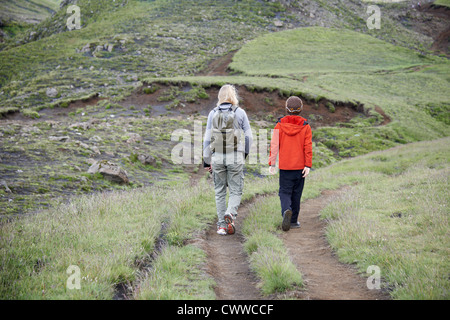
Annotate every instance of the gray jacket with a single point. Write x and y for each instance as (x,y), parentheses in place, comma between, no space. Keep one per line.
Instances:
(241,122)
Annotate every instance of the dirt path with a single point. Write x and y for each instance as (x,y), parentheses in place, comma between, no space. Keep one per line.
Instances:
(228,264)
(324,276)
(219,67)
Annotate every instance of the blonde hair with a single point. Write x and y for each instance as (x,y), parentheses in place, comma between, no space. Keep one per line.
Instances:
(228,93)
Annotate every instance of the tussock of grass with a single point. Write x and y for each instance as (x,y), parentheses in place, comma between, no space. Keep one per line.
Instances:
(177,275)
(275,269)
(268,255)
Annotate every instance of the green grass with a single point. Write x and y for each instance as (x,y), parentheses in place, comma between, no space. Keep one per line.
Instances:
(309,51)
(102,234)
(177,274)
(28,11)
(267,254)
(151,38)
(346,66)
(444,3)
(394,216)
(105,235)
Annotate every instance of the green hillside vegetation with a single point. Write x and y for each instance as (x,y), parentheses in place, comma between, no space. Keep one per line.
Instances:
(393,216)
(320,50)
(140,238)
(412,89)
(399,223)
(444,3)
(153,38)
(23,11)
(146,37)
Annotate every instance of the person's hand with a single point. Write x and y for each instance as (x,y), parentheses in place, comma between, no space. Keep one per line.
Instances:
(305,172)
(209,169)
(272,170)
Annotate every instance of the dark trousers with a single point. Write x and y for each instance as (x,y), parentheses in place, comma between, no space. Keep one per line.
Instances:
(291,188)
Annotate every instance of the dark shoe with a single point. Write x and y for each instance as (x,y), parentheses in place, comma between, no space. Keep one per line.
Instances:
(295,225)
(286,224)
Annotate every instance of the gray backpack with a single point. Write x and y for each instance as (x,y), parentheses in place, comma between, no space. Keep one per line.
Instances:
(224,137)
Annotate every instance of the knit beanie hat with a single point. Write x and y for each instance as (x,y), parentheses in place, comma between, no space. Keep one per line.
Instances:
(294,104)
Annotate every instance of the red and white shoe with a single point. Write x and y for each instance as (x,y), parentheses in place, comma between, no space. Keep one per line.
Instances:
(222,231)
(231,229)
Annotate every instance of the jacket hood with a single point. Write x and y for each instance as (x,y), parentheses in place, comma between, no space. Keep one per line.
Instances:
(292,125)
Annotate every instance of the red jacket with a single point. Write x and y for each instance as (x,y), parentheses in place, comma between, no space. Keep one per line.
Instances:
(292,140)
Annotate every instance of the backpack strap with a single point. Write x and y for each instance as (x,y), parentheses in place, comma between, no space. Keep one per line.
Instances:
(231,108)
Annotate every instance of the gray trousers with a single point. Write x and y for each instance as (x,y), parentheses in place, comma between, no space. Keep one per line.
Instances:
(228,171)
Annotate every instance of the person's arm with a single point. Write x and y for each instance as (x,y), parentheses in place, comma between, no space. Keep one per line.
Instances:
(274,146)
(308,151)
(247,133)
(206,144)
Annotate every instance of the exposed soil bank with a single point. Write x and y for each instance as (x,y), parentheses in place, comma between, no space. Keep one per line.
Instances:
(441,36)
(259,105)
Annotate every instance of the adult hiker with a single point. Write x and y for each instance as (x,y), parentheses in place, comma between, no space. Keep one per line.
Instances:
(226,144)
(292,142)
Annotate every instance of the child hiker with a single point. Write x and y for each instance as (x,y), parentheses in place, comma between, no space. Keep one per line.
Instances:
(224,155)
(292,142)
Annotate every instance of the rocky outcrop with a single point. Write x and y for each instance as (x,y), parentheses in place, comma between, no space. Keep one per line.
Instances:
(59,138)
(51,92)
(109,171)
(3,183)
(134,138)
(147,159)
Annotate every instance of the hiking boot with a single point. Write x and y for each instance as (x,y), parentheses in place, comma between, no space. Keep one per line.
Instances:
(286,224)
(230,228)
(228,217)
(229,220)
(222,231)
(295,225)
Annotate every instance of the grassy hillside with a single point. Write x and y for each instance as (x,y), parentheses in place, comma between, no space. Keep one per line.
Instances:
(135,236)
(149,38)
(444,3)
(318,50)
(409,87)
(393,216)
(399,223)
(23,11)
(318,63)
(153,38)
